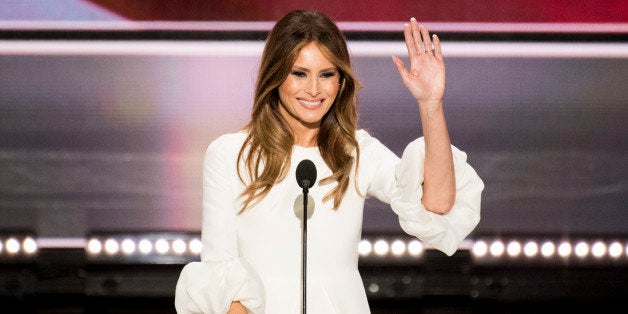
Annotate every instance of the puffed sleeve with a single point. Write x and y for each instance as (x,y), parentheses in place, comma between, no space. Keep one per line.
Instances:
(221,277)
(443,232)
(209,287)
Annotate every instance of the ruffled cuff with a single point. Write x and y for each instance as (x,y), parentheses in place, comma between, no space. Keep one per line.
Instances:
(209,287)
(443,232)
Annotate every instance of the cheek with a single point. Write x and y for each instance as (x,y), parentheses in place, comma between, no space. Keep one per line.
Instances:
(332,90)
(288,87)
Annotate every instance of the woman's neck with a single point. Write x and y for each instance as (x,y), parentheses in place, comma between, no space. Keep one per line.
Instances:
(305,137)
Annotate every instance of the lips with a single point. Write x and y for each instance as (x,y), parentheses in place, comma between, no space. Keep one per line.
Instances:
(311,104)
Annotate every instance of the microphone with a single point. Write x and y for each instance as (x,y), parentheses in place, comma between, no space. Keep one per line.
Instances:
(306,177)
(306,174)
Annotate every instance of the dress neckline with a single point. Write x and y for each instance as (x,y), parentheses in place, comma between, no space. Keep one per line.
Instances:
(304,151)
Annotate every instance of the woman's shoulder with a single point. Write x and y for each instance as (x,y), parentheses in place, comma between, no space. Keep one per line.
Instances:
(228,142)
(362,135)
(365,139)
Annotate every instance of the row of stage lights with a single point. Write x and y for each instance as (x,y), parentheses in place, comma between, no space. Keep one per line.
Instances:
(17,247)
(129,246)
(178,248)
(112,246)
(498,250)
(482,250)
(144,248)
(386,247)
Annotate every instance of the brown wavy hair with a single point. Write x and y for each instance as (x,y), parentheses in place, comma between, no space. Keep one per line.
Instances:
(267,149)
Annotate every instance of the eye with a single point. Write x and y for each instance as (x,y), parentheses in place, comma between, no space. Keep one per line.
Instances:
(328,74)
(298,73)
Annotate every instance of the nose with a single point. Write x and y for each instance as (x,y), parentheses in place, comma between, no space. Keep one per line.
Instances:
(312,87)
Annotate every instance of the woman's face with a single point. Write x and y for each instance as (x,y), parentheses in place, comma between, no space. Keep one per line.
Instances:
(309,90)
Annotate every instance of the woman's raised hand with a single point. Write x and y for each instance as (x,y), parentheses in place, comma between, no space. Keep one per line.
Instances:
(426,76)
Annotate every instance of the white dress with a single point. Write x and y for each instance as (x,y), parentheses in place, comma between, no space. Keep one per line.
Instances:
(255,257)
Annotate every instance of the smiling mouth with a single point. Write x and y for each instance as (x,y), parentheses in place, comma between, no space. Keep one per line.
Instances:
(310,103)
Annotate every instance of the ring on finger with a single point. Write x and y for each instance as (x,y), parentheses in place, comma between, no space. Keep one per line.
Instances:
(429,50)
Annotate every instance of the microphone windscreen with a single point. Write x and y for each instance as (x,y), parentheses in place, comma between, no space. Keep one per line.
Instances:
(306,173)
(298,206)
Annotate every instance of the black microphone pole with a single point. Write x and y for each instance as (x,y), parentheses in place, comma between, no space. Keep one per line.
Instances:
(306,177)
(304,244)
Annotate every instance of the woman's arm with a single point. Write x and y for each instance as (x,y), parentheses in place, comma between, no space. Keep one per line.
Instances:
(426,81)
(237,308)
(222,282)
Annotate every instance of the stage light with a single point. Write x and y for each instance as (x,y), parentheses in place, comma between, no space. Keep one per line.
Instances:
(497,248)
(480,248)
(29,245)
(415,248)
(513,248)
(381,247)
(178,246)
(162,246)
(128,246)
(196,246)
(365,247)
(94,246)
(615,250)
(581,249)
(145,246)
(530,249)
(12,246)
(398,247)
(547,249)
(564,249)
(111,246)
(598,249)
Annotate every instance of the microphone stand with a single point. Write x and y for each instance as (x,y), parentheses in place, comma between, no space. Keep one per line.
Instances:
(304,247)
(306,177)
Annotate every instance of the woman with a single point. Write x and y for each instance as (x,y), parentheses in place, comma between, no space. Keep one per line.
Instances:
(305,108)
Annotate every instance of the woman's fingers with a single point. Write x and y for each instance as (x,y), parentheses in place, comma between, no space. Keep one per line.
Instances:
(399,63)
(401,67)
(418,40)
(437,49)
(416,36)
(407,35)
(427,43)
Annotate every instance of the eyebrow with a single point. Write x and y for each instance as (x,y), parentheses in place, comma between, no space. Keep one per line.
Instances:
(308,70)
